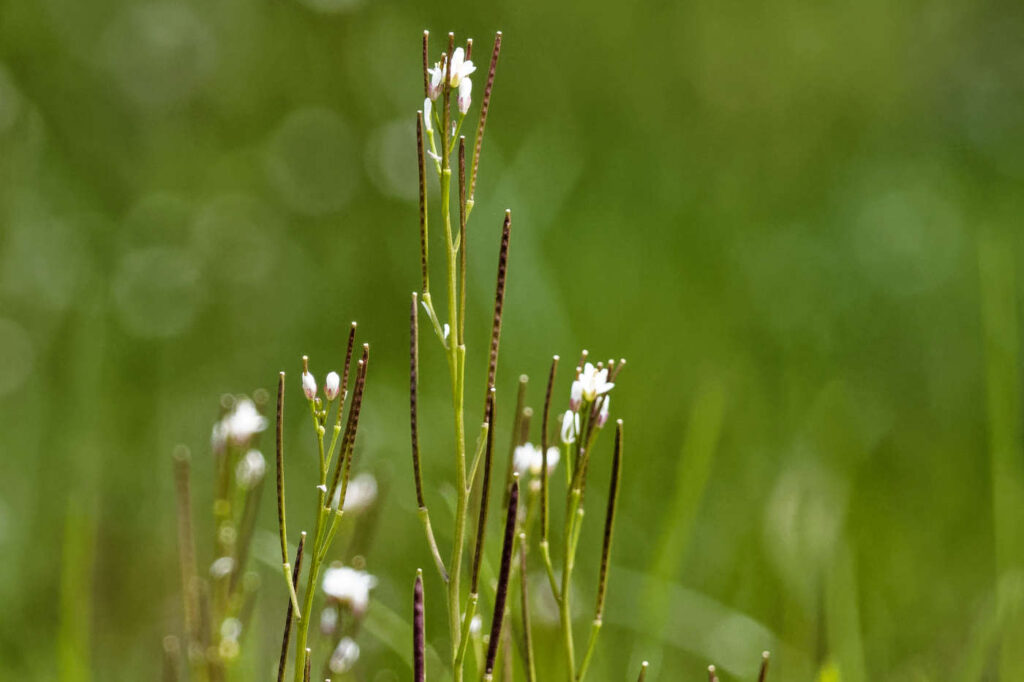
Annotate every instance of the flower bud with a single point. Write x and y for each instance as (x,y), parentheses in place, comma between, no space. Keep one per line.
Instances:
(576,396)
(602,416)
(308,385)
(332,384)
(465,95)
(570,426)
(434,87)
(428,116)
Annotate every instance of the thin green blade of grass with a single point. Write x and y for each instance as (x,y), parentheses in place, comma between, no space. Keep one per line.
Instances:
(999,319)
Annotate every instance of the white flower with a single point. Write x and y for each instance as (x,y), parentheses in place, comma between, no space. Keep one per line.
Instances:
(522,458)
(592,383)
(250,470)
(328,620)
(476,625)
(529,457)
(575,396)
(349,586)
(602,416)
(570,426)
(345,656)
(465,95)
(361,493)
(222,567)
(332,384)
(553,457)
(461,67)
(238,426)
(428,116)
(308,385)
(434,87)
(231,628)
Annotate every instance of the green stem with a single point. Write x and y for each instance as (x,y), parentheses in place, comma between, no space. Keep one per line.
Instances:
(307,608)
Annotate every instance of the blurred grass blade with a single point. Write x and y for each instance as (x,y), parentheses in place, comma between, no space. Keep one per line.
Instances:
(76,570)
(842,616)
(1002,373)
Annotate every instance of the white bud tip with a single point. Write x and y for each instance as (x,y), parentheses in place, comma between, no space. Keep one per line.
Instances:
(332,385)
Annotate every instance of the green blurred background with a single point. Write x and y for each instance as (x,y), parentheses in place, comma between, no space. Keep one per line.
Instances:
(797,220)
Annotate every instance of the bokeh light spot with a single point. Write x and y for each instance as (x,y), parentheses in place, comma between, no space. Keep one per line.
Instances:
(311,161)
(157,292)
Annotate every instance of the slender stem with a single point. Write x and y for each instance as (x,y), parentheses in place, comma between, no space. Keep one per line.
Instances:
(544,450)
(186,543)
(429,530)
(462,240)
(763,674)
(281,516)
(288,611)
(595,628)
(545,550)
(531,671)
(643,672)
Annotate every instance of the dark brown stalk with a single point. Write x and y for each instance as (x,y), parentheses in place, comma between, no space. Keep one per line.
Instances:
(763,675)
(306,675)
(186,540)
(422,163)
(613,372)
(643,672)
(501,594)
(426,63)
(351,427)
(712,674)
(288,611)
(485,492)
(485,105)
(414,363)
(349,347)
(418,636)
(462,240)
(446,99)
(469,49)
(499,301)
(544,449)
(609,522)
(583,360)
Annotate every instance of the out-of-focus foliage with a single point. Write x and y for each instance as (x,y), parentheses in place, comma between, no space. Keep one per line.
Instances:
(798,221)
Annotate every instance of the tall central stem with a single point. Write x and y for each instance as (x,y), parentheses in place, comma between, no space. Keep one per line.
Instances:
(456,365)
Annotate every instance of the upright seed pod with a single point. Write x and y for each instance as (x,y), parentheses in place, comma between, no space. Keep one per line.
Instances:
(418,634)
(501,593)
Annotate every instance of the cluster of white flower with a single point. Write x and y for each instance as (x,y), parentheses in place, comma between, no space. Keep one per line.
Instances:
(530,458)
(349,587)
(250,469)
(591,384)
(238,426)
(460,70)
(332,385)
